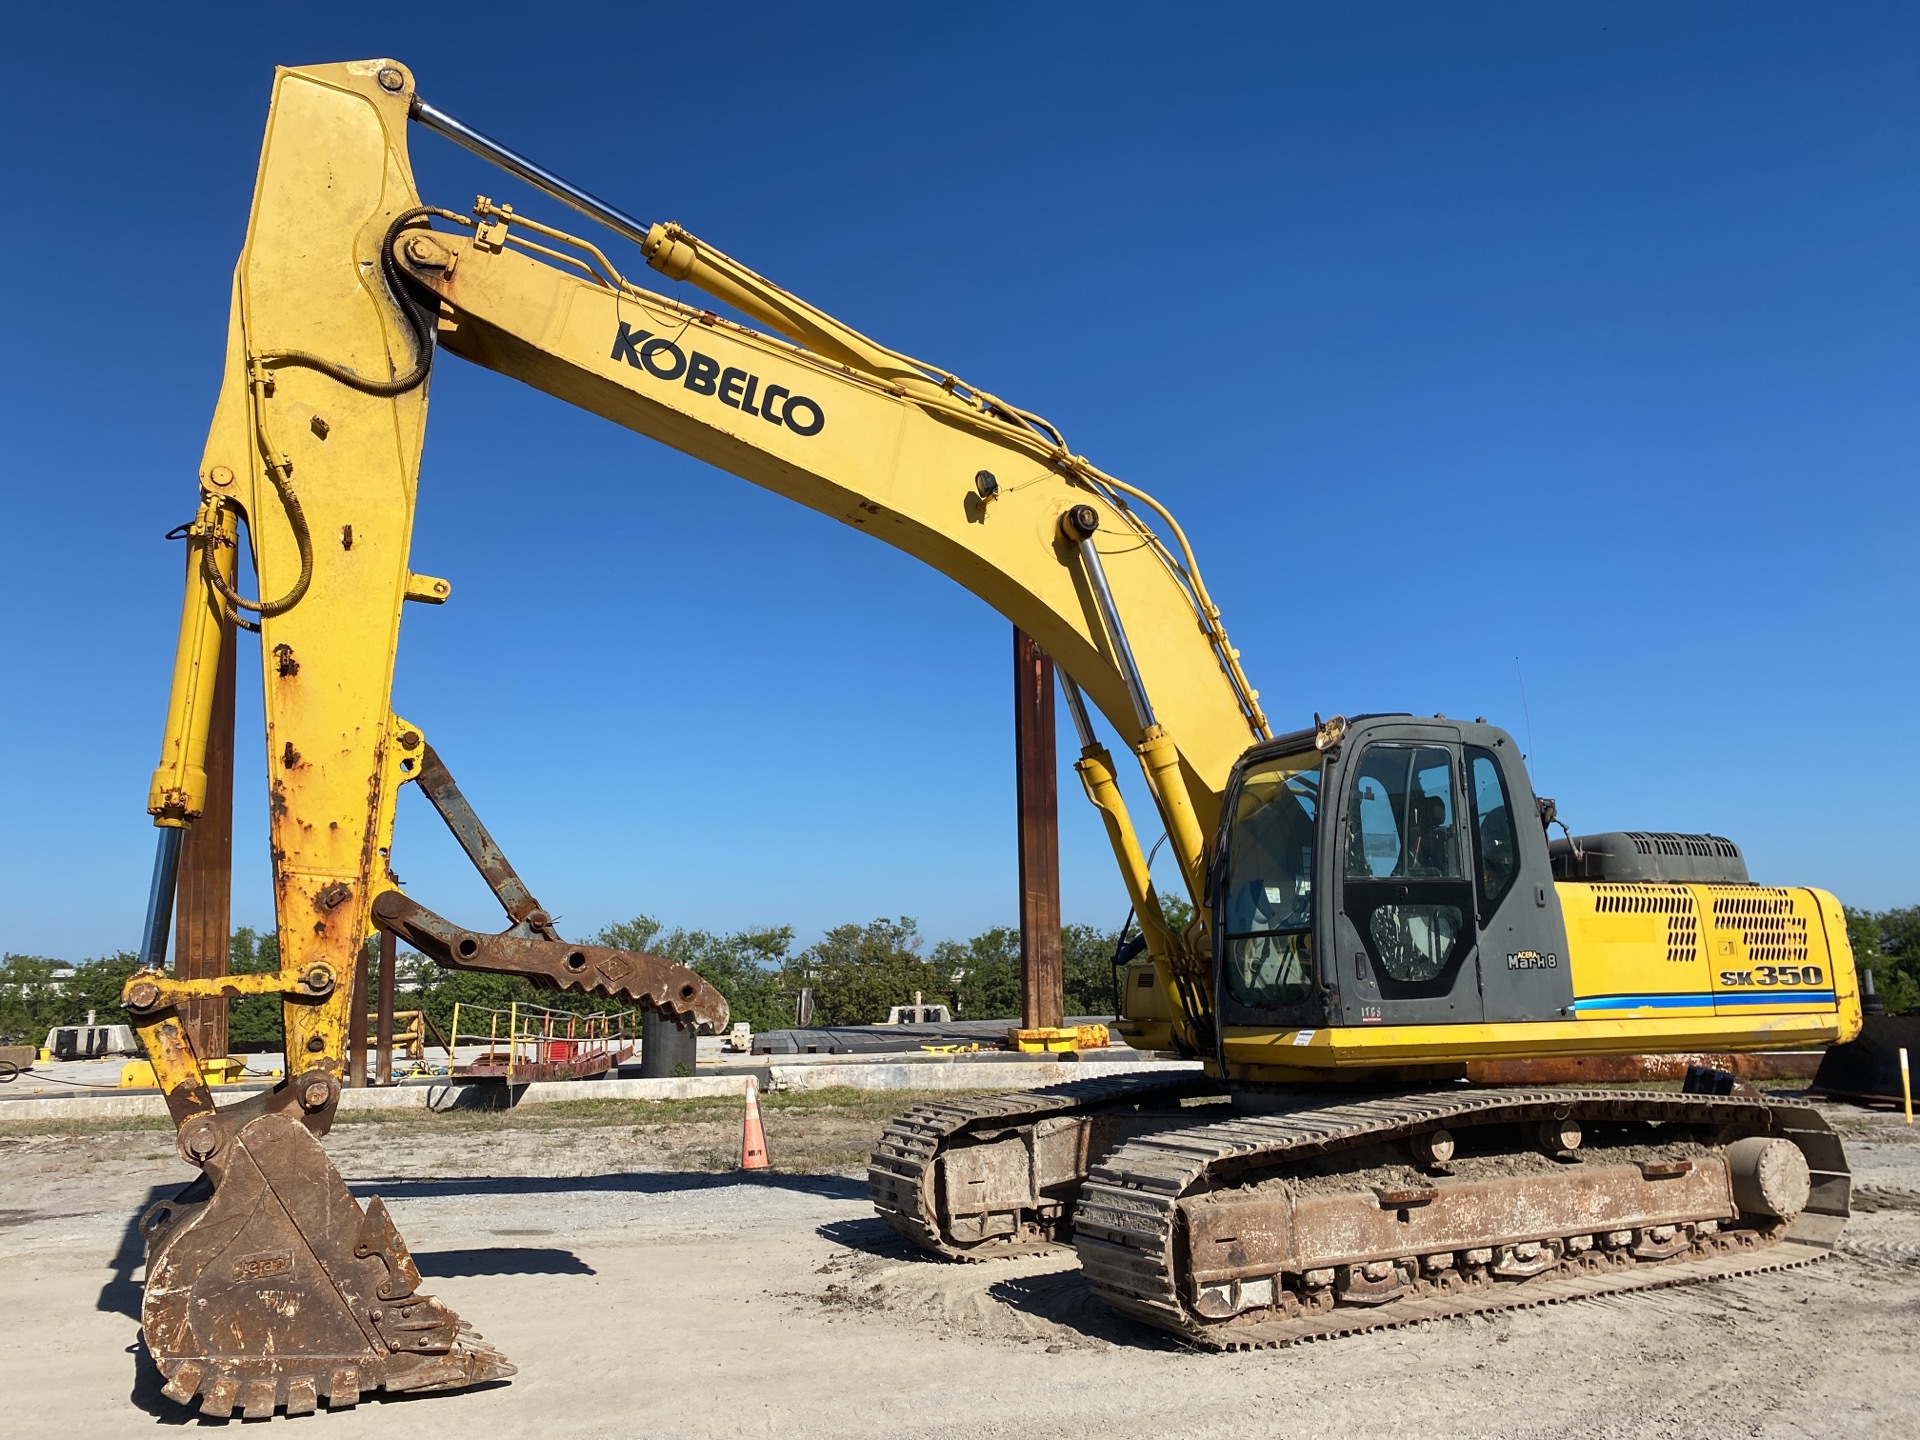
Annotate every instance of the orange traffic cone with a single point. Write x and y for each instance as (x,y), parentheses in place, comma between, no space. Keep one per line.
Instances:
(753,1139)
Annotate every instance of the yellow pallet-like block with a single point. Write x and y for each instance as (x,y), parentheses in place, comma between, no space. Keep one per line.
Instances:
(138,1074)
(1059,1039)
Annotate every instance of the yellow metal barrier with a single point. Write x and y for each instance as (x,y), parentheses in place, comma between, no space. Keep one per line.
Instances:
(1058,1039)
(138,1074)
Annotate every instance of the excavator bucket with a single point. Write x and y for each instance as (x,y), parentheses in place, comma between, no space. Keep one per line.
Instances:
(268,1287)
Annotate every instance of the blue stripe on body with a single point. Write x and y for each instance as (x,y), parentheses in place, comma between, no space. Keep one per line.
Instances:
(1703,1001)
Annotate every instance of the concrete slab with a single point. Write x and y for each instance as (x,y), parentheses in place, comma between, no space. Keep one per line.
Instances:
(931,1073)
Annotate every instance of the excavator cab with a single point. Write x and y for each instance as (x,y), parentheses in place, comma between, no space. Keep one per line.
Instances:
(1385,871)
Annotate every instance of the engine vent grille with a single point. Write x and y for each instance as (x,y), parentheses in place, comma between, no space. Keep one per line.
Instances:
(1668,842)
(1673,901)
(1683,937)
(1642,900)
(1768,926)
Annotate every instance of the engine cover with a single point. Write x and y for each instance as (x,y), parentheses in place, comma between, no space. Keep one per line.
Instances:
(1649,855)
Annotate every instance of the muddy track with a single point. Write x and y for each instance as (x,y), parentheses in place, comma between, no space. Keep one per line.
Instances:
(1128,1226)
(900,1175)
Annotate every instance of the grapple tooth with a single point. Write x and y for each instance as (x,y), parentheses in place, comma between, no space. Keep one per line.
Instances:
(302,1396)
(218,1401)
(262,1398)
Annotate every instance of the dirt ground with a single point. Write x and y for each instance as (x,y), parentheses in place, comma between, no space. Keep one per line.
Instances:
(646,1290)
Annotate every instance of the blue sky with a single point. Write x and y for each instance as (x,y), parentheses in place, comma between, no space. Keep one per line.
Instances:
(1575,336)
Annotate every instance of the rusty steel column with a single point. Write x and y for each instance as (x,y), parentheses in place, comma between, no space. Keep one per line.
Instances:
(1042,979)
(383,1024)
(203,895)
(357,1019)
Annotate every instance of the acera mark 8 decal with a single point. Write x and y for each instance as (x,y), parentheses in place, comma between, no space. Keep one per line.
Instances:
(1766,975)
(1532,960)
(664,360)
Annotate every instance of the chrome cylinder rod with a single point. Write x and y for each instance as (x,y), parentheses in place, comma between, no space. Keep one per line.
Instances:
(166,870)
(538,176)
(1076,707)
(1079,524)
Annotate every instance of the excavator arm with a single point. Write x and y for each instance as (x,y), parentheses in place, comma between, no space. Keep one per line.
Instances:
(346,289)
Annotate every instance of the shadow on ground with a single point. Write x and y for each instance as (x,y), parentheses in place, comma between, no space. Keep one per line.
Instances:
(1063,1298)
(121,1294)
(646,1182)
(873,1236)
(499,1260)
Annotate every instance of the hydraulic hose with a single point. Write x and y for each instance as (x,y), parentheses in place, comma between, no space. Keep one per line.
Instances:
(279,468)
(415,322)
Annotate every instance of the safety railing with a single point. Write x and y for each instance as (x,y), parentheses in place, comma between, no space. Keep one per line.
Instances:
(523,1043)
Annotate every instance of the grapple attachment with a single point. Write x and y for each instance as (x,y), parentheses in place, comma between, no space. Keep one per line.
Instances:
(652,982)
(268,1287)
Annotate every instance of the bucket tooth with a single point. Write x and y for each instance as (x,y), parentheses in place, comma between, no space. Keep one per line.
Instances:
(218,1401)
(262,1396)
(184,1384)
(343,1391)
(302,1396)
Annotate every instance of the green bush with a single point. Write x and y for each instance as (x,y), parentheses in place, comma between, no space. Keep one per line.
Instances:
(1887,943)
(37,993)
(857,973)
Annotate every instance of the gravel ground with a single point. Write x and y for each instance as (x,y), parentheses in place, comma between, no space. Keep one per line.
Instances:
(644,1289)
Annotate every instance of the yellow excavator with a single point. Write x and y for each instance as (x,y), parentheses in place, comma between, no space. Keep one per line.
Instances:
(1376,901)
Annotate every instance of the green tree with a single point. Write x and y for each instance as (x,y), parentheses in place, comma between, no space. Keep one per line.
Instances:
(95,986)
(32,1001)
(981,975)
(1086,957)
(1887,943)
(743,965)
(858,971)
(37,994)
(1176,909)
(253,1021)
(436,991)
(988,967)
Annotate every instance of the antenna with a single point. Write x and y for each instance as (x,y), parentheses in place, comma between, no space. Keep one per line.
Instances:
(1528,714)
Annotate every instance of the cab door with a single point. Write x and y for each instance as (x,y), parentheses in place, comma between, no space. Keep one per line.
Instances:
(1524,968)
(1405,920)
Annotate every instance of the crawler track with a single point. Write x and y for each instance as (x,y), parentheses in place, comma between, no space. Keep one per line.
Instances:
(901,1172)
(1128,1228)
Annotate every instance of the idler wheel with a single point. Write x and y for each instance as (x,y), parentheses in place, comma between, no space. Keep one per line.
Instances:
(1770,1176)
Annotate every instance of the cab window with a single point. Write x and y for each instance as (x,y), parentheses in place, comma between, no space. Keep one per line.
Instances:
(1268,895)
(1496,855)
(1403,821)
(1414,942)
